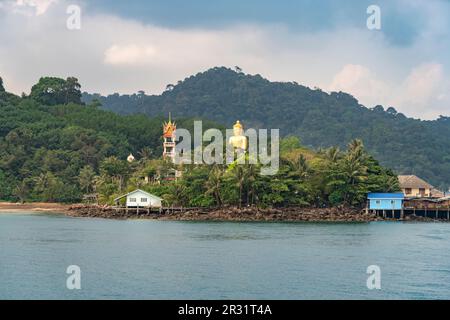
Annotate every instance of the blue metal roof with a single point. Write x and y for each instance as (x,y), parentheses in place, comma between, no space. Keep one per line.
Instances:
(373,195)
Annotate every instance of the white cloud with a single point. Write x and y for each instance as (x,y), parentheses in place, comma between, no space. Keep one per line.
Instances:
(27,7)
(422,83)
(129,54)
(424,91)
(111,54)
(422,94)
(362,82)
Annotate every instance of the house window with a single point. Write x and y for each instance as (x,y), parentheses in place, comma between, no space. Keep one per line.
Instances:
(422,191)
(143,199)
(392,201)
(132,199)
(378,202)
(408,191)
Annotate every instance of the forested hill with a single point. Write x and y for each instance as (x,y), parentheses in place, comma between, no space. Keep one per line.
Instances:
(48,139)
(53,148)
(320,119)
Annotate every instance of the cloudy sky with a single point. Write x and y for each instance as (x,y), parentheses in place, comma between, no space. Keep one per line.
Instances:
(126,46)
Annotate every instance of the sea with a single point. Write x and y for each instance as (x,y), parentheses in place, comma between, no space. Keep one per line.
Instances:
(51,256)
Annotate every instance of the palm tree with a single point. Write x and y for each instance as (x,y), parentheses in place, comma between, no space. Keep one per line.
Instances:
(347,174)
(356,150)
(145,153)
(118,170)
(214,184)
(354,170)
(332,154)
(239,177)
(177,196)
(43,181)
(251,175)
(299,167)
(21,191)
(86,178)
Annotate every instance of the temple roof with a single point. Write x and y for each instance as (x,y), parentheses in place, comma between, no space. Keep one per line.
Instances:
(169,128)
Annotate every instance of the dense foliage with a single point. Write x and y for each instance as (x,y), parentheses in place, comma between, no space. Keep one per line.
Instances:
(305,178)
(52,91)
(47,150)
(57,151)
(409,146)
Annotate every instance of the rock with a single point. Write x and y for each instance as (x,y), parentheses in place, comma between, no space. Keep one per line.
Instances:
(232,214)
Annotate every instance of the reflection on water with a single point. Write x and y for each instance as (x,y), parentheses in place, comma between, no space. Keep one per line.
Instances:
(206,260)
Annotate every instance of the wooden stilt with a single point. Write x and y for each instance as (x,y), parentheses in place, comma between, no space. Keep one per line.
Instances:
(402,214)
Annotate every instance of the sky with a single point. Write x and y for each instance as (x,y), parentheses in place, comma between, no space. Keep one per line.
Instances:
(127,46)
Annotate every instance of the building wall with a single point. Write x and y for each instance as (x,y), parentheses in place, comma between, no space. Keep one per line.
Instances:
(385,204)
(415,192)
(138,199)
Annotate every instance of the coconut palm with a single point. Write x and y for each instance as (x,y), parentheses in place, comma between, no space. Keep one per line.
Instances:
(299,167)
(21,191)
(86,178)
(145,153)
(214,184)
(332,154)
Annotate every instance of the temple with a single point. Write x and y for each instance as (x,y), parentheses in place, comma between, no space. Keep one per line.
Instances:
(169,129)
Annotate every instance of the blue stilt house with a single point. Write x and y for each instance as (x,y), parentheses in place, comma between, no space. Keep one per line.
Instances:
(385,201)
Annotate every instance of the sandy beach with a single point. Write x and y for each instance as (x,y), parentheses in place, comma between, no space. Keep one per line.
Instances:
(33,207)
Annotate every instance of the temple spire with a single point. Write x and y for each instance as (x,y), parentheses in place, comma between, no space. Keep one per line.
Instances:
(169,129)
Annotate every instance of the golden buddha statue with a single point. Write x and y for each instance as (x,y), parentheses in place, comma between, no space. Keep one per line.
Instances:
(238,140)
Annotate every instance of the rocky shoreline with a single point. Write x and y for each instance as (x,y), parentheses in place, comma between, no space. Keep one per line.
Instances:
(237,214)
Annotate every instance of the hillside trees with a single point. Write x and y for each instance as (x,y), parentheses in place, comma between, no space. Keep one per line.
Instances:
(52,149)
(321,119)
(53,91)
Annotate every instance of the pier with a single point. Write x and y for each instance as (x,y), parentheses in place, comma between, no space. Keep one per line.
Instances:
(155,210)
(435,213)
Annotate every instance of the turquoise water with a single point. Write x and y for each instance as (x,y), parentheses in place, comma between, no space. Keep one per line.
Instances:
(197,260)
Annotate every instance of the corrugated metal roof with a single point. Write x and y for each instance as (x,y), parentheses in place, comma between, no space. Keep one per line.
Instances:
(373,195)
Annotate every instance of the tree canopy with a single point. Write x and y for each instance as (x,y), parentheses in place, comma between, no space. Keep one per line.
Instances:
(53,91)
(320,119)
(52,149)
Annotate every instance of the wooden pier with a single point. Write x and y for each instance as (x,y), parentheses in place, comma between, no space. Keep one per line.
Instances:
(154,210)
(435,213)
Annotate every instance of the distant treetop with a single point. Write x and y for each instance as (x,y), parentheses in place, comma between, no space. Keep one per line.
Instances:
(53,91)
